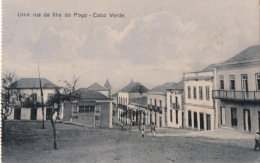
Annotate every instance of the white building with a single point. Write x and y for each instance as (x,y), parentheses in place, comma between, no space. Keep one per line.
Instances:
(133,90)
(175,106)
(199,106)
(157,105)
(237,91)
(30,87)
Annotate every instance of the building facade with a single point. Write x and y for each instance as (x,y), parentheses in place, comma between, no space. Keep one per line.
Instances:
(237,91)
(199,106)
(175,106)
(29,88)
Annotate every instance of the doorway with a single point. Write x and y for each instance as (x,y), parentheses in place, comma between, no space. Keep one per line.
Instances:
(247,120)
(201,121)
(48,113)
(160,121)
(208,122)
(195,120)
(33,113)
(223,115)
(17,113)
(244,85)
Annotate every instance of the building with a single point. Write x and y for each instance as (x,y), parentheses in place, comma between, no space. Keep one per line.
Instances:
(175,106)
(199,106)
(133,91)
(29,88)
(157,105)
(94,107)
(237,91)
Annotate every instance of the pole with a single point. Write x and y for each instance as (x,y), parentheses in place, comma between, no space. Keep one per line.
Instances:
(43,127)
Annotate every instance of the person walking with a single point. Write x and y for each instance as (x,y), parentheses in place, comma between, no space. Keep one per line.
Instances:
(143,128)
(122,125)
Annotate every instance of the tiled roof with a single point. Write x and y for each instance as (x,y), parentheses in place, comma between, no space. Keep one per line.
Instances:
(134,87)
(250,54)
(96,87)
(179,86)
(91,95)
(29,83)
(107,84)
(164,87)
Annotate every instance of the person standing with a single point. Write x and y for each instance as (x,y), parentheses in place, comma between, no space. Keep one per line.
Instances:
(143,128)
(122,125)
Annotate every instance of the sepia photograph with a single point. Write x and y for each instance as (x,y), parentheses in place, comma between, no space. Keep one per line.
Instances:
(111,81)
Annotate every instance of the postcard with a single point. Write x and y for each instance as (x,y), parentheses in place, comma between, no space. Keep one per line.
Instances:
(130,81)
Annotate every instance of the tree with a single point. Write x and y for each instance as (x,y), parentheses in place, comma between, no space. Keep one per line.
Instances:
(8,93)
(67,93)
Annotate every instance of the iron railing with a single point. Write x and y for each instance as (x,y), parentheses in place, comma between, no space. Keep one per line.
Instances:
(236,95)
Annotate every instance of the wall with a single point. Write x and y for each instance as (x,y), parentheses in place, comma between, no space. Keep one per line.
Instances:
(105,114)
(253,107)
(38,92)
(238,70)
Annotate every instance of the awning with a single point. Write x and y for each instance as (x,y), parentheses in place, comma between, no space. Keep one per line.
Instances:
(86,103)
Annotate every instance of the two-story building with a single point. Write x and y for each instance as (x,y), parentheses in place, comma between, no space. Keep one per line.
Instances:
(237,90)
(133,90)
(174,115)
(199,105)
(157,105)
(29,89)
(94,107)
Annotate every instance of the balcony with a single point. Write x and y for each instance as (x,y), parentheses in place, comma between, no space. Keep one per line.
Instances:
(236,95)
(122,106)
(175,106)
(155,108)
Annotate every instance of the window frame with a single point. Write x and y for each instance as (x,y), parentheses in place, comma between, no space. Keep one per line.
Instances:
(194,92)
(230,83)
(257,84)
(207,89)
(200,92)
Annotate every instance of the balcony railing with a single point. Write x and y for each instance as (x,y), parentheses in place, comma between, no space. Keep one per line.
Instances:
(122,106)
(236,95)
(155,108)
(175,106)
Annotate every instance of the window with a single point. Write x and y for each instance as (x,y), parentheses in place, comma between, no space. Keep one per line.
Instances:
(201,92)
(189,93)
(171,114)
(194,92)
(257,82)
(195,120)
(189,118)
(176,111)
(151,101)
(170,98)
(221,81)
(234,117)
(232,82)
(207,92)
(50,95)
(75,109)
(34,96)
(176,100)
(155,102)
(160,103)
(244,82)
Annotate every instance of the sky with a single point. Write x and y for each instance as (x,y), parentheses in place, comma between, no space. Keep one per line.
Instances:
(155,42)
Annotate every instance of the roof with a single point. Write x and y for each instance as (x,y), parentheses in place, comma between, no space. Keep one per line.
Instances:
(179,85)
(164,87)
(33,83)
(252,53)
(134,87)
(96,87)
(107,84)
(141,101)
(91,95)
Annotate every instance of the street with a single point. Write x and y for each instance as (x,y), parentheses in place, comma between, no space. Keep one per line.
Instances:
(27,142)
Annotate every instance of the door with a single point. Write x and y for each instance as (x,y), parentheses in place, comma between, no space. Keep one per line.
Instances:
(223,115)
(244,83)
(208,122)
(201,121)
(182,119)
(17,113)
(33,114)
(151,118)
(160,121)
(259,121)
(48,113)
(247,120)
(195,120)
